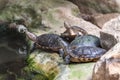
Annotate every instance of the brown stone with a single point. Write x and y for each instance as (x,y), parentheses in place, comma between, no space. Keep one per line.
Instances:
(97,6)
(110,33)
(108,67)
(99,19)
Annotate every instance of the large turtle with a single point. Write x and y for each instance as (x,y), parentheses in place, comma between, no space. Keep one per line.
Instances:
(85,40)
(72,31)
(81,54)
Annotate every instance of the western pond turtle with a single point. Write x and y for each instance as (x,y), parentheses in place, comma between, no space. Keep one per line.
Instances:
(81,54)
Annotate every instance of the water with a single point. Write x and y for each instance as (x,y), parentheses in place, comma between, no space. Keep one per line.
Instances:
(14,49)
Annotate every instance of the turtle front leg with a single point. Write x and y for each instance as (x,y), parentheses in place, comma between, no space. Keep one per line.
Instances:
(67,59)
(61,52)
(33,47)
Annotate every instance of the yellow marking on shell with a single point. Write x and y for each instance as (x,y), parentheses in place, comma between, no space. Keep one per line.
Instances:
(74,59)
(83,59)
(96,59)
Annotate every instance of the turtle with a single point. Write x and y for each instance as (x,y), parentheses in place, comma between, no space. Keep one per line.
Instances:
(72,31)
(85,40)
(45,41)
(81,54)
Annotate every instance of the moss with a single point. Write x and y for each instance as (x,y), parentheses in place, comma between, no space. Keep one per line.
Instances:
(2,76)
(75,11)
(17,12)
(49,15)
(40,71)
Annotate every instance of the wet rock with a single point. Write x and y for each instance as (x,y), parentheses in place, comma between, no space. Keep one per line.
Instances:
(108,67)
(49,65)
(14,48)
(110,33)
(13,45)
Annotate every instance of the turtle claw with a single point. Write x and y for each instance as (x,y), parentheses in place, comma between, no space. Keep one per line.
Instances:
(67,59)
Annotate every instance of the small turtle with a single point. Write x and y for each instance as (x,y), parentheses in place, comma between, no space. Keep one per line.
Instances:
(85,40)
(45,41)
(72,31)
(81,54)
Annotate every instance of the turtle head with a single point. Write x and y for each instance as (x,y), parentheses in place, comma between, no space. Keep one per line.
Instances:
(69,31)
(72,31)
(21,28)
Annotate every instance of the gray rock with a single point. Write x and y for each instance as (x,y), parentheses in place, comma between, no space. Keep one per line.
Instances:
(108,67)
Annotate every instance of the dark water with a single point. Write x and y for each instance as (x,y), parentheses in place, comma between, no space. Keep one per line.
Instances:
(13,52)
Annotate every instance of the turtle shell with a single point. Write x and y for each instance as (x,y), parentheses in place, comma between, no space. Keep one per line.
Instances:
(49,41)
(86,54)
(85,40)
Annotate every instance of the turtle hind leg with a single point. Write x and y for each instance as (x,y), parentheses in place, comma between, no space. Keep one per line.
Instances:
(67,59)
(33,48)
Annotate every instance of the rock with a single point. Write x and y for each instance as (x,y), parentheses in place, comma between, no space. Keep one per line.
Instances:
(99,19)
(108,67)
(46,18)
(49,65)
(62,14)
(96,6)
(107,40)
(110,32)
(82,71)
